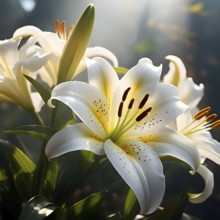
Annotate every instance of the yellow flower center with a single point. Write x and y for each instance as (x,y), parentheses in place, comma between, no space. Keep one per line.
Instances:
(129,120)
(202,122)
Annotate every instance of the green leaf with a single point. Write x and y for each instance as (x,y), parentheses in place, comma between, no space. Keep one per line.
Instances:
(37,208)
(42,90)
(19,166)
(76,45)
(174,211)
(120,70)
(87,208)
(132,207)
(37,131)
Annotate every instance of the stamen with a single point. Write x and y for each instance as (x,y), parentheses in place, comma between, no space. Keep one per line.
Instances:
(143,102)
(143,114)
(215,124)
(71,29)
(211,117)
(57,26)
(131,103)
(203,112)
(60,28)
(120,109)
(63,29)
(125,94)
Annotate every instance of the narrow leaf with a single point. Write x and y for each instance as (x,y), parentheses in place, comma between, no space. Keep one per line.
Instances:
(37,208)
(19,166)
(87,208)
(132,207)
(38,131)
(42,90)
(76,45)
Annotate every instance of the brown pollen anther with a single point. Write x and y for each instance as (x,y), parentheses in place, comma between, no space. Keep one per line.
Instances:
(143,114)
(215,124)
(203,112)
(143,102)
(120,109)
(211,117)
(125,94)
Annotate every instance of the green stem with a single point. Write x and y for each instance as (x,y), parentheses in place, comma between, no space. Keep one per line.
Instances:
(37,117)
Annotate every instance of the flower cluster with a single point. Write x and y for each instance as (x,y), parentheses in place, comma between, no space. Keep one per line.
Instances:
(136,120)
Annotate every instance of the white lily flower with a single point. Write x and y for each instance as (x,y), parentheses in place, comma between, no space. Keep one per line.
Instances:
(14,63)
(54,43)
(125,119)
(196,129)
(195,126)
(189,92)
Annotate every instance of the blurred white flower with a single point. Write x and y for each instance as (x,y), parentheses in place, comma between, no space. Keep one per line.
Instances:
(14,63)
(189,92)
(193,124)
(54,43)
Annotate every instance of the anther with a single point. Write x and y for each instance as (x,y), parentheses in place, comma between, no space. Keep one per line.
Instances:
(143,102)
(57,26)
(203,112)
(120,109)
(215,124)
(131,103)
(71,29)
(125,94)
(63,29)
(143,114)
(211,117)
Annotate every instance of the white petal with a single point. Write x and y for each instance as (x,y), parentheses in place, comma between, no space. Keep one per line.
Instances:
(170,143)
(34,62)
(101,52)
(86,101)
(177,71)
(142,79)
(191,93)
(207,175)
(9,52)
(207,146)
(165,108)
(72,138)
(48,40)
(102,75)
(141,169)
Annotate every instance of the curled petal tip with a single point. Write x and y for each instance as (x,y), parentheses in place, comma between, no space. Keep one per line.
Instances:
(49,103)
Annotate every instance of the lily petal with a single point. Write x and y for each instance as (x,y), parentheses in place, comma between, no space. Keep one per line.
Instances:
(86,101)
(191,93)
(207,175)
(102,75)
(142,79)
(165,105)
(48,40)
(168,142)
(101,52)
(141,169)
(207,146)
(177,71)
(72,138)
